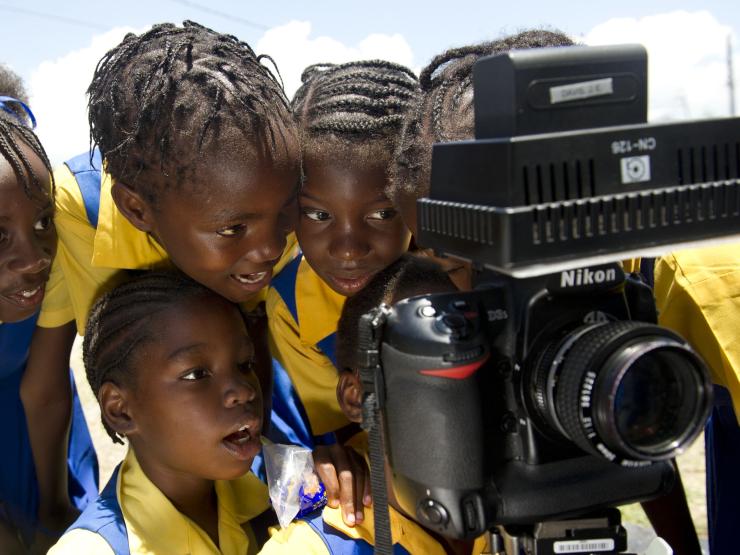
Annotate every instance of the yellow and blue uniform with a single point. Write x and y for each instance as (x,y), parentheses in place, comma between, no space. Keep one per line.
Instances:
(18,485)
(96,244)
(697,293)
(132,516)
(302,316)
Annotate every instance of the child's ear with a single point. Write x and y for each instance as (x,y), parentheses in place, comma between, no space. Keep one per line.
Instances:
(132,205)
(114,407)
(349,395)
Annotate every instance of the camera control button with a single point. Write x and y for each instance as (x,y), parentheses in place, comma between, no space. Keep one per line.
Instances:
(432,512)
(427,311)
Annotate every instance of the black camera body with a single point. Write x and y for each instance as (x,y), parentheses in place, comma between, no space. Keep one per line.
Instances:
(522,387)
(549,391)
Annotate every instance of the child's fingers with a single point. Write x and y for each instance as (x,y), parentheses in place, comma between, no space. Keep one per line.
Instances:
(346,472)
(327,474)
(367,497)
(359,473)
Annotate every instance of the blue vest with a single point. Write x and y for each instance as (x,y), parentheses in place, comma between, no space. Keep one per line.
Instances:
(289,419)
(104,517)
(338,543)
(87,173)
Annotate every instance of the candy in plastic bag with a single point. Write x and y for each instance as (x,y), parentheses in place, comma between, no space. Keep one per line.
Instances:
(295,490)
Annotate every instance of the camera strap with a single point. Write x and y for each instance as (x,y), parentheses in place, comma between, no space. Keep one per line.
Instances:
(371,375)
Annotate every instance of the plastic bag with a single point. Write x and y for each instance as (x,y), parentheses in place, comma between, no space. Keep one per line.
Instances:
(295,490)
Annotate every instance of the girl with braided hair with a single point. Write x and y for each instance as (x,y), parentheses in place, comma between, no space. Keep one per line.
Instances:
(197,166)
(349,116)
(172,366)
(28,244)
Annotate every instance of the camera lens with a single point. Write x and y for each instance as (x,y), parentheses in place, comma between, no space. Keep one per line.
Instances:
(628,391)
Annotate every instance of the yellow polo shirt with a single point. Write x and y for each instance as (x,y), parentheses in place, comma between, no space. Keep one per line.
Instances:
(697,293)
(155,526)
(90,260)
(294,345)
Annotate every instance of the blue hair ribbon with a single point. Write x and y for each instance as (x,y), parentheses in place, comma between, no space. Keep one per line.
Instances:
(5,106)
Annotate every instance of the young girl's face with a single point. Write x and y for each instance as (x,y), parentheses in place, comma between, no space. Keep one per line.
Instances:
(195,403)
(348,229)
(28,241)
(227,227)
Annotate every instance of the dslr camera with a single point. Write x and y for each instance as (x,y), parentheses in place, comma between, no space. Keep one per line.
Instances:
(534,404)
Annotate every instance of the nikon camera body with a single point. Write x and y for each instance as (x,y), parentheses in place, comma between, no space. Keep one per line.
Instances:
(533,399)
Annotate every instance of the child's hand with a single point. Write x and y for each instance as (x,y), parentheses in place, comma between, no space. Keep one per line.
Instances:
(346,478)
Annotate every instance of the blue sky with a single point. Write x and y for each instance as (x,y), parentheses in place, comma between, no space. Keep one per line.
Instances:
(53,45)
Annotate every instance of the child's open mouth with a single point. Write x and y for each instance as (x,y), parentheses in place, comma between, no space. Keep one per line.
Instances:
(243,444)
(253,281)
(29,297)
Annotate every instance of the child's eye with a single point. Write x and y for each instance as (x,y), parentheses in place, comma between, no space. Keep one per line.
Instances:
(316,215)
(195,374)
(232,230)
(247,366)
(43,224)
(382,214)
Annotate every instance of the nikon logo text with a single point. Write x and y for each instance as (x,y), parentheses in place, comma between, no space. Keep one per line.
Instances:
(585,276)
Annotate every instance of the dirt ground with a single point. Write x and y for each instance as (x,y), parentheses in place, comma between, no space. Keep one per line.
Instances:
(691,463)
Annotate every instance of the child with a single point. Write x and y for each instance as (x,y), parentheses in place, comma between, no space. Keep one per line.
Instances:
(28,243)
(199,170)
(172,367)
(324,532)
(697,293)
(349,116)
(445,113)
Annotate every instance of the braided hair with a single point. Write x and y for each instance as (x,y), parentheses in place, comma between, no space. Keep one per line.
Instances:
(13,135)
(408,276)
(159,99)
(354,104)
(121,320)
(444,111)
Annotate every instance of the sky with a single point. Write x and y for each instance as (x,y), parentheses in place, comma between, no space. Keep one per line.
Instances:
(54,45)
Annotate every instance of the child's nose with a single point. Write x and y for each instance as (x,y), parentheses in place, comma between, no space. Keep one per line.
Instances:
(269,247)
(29,256)
(348,246)
(239,391)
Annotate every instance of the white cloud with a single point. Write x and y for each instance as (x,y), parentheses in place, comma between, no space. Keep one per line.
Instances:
(57,87)
(58,98)
(293,48)
(687,65)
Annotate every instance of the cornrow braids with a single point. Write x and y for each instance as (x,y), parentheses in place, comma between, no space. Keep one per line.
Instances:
(408,276)
(158,99)
(444,110)
(13,135)
(121,320)
(354,103)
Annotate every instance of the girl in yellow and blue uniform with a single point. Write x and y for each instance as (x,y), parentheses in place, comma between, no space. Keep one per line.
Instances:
(348,116)
(198,168)
(27,247)
(172,366)
(697,293)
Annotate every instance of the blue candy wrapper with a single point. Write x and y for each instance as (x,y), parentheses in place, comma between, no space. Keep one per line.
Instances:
(295,490)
